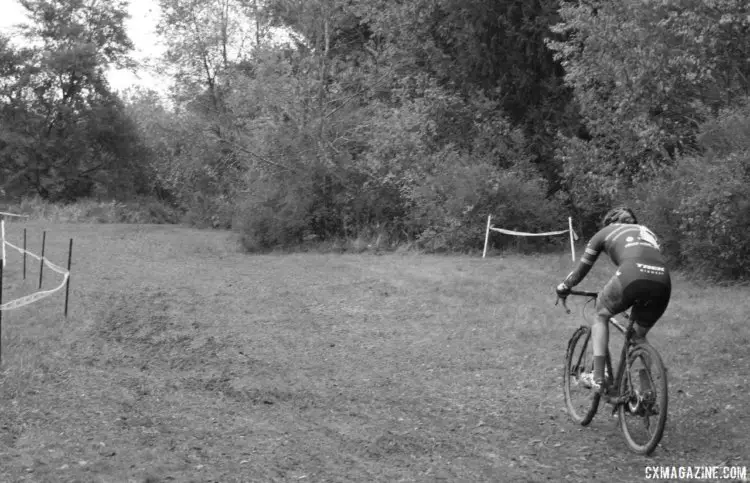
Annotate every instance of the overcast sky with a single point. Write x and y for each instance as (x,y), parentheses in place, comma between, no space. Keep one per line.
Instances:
(141,29)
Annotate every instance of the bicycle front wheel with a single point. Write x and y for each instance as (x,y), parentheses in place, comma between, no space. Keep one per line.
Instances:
(644,416)
(581,401)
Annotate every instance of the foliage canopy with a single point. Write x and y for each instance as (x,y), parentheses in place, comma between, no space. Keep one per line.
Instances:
(405,121)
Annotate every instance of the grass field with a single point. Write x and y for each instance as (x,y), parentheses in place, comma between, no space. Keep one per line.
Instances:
(185,360)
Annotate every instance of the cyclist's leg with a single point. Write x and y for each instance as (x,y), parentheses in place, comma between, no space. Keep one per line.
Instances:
(611,301)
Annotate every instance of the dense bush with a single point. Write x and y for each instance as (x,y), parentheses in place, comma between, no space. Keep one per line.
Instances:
(715,215)
(451,208)
(208,211)
(701,207)
(274,213)
(657,204)
(424,166)
(701,212)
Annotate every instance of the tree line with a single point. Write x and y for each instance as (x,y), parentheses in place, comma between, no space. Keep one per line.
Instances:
(397,121)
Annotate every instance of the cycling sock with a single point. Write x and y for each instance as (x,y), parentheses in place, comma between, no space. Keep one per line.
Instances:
(599,369)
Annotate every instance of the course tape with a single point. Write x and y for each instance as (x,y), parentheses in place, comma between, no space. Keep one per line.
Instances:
(12,214)
(523,233)
(30,299)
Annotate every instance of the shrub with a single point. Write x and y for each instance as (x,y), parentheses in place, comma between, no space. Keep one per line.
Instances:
(701,212)
(656,204)
(451,208)
(700,207)
(715,218)
(209,211)
(275,213)
(729,132)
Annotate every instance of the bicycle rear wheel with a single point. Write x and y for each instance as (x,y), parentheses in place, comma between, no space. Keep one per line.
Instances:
(644,416)
(581,401)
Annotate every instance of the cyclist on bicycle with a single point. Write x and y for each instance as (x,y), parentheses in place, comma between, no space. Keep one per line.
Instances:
(641,281)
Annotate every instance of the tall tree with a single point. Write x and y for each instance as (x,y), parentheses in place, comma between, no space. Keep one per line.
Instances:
(207,41)
(488,46)
(61,93)
(206,38)
(646,75)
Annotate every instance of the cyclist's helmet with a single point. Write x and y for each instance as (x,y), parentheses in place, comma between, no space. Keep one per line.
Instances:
(621,214)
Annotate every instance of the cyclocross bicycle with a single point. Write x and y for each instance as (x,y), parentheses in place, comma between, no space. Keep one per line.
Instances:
(638,392)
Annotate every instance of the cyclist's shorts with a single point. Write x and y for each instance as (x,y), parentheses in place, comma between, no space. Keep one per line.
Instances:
(644,286)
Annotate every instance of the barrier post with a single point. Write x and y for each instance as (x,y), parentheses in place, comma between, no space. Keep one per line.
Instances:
(24,253)
(2,239)
(67,283)
(41,261)
(486,236)
(1,312)
(572,244)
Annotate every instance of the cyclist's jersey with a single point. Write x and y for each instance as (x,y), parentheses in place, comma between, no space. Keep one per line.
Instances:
(623,243)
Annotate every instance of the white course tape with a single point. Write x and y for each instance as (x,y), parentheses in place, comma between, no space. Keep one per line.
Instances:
(523,233)
(30,299)
(573,235)
(51,265)
(12,214)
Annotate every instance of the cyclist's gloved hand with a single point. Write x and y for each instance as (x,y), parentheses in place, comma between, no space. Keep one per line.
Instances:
(562,290)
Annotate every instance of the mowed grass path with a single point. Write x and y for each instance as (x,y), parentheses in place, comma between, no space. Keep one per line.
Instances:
(184,360)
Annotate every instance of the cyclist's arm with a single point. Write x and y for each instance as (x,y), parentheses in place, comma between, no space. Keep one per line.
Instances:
(593,249)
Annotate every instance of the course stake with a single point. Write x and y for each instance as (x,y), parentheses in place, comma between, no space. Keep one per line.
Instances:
(41,261)
(487,235)
(67,283)
(1,314)
(2,239)
(24,253)
(572,236)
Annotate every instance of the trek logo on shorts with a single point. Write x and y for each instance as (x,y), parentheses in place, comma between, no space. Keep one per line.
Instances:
(650,269)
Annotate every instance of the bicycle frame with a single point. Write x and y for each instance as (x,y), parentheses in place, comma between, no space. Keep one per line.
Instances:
(627,331)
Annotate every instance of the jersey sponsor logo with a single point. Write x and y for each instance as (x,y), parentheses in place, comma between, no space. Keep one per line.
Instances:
(648,236)
(650,269)
(639,244)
